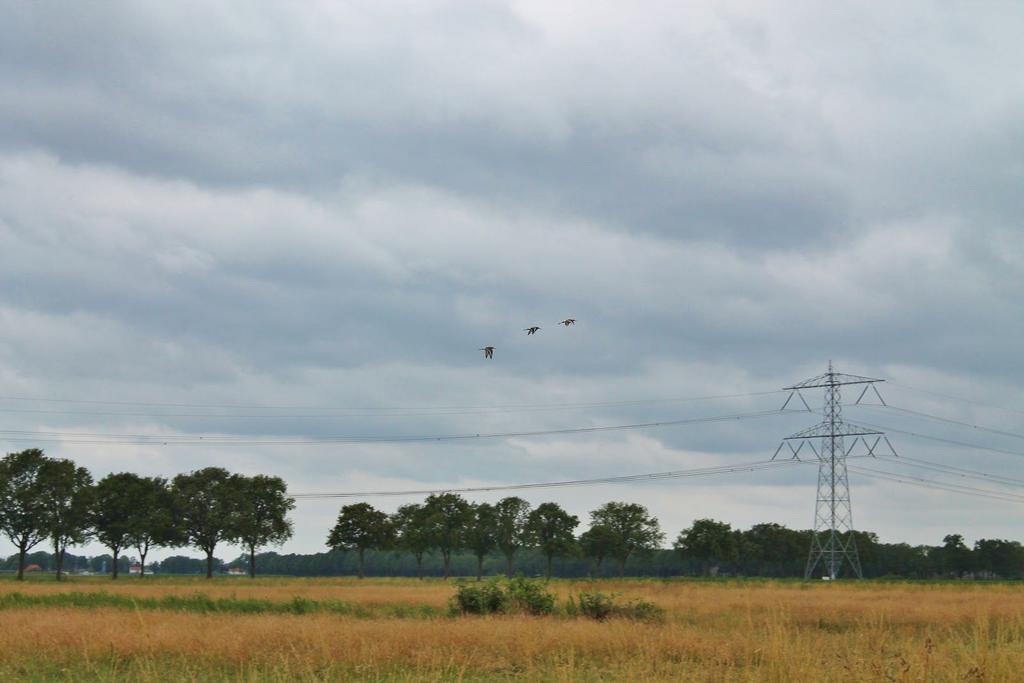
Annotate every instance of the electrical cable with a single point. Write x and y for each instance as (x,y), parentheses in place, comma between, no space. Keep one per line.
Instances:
(939,439)
(956,398)
(941,486)
(991,430)
(165,440)
(357,412)
(654,476)
(955,471)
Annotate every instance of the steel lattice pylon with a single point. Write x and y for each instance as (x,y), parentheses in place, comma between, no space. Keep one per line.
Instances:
(833,542)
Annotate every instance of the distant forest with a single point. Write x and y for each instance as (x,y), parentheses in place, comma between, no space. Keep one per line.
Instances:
(766,550)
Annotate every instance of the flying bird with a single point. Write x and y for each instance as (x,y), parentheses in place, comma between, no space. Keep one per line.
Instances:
(531,330)
(488,351)
(568,321)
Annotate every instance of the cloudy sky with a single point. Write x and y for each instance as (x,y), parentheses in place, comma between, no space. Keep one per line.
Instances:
(304,221)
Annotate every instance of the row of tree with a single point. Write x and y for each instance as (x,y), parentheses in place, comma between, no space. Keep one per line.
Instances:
(774,550)
(103,564)
(43,498)
(767,549)
(448,523)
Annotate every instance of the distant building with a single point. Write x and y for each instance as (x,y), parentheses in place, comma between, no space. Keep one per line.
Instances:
(135,568)
(33,568)
(236,571)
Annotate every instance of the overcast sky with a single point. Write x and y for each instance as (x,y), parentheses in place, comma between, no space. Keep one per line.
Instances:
(333,206)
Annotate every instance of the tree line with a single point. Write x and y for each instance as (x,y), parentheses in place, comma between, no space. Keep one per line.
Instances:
(773,550)
(449,524)
(102,564)
(51,499)
(764,550)
(452,526)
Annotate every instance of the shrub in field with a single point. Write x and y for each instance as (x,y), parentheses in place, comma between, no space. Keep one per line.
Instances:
(530,596)
(594,605)
(602,606)
(518,595)
(481,598)
(640,610)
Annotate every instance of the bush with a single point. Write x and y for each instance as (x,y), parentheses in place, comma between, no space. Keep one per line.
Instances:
(519,595)
(530,596)
(640,610)
(487,598)
(601,606)
(523,596)
(594,605)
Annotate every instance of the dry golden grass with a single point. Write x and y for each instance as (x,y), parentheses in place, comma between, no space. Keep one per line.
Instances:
(728,631)
(368,591)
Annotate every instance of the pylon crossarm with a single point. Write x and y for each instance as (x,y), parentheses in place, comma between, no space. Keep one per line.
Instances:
(870,387)
(795,451)
(826,430)
(790,398)
(831,379)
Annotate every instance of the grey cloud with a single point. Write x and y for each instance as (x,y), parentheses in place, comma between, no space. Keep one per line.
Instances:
(200,203)
(670,142)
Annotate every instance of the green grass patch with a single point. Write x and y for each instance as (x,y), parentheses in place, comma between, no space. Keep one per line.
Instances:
(200,603)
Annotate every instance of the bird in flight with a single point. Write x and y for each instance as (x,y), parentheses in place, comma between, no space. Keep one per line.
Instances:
(568,321)
(531,330)
(488,351)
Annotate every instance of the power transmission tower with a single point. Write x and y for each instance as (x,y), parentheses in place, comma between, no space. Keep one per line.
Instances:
(832,541)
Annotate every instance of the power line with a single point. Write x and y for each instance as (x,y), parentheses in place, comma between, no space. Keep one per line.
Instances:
(149,439)
(339,413)
(939,439)
(358,411)
(939,486)
(654,476)
(957,398)
(689,473)
(956,471)
(939,418)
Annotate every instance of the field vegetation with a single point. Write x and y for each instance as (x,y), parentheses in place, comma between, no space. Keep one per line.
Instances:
(89,628)
(276,628)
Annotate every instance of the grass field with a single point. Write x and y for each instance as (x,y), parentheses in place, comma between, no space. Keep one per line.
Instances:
(399,629)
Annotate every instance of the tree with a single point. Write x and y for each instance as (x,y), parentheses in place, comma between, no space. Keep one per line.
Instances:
(1000,558)
(448,515)
(413,533)
(956,556)
(596,543)
(66,491)
(152,521)
(773,549)
(552,530)
(180,564)
(114,503)
(263,514)
(632,529)
(24,517)
(708,542)
(511,515)
(207,501)
(360,526)
(480,534)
